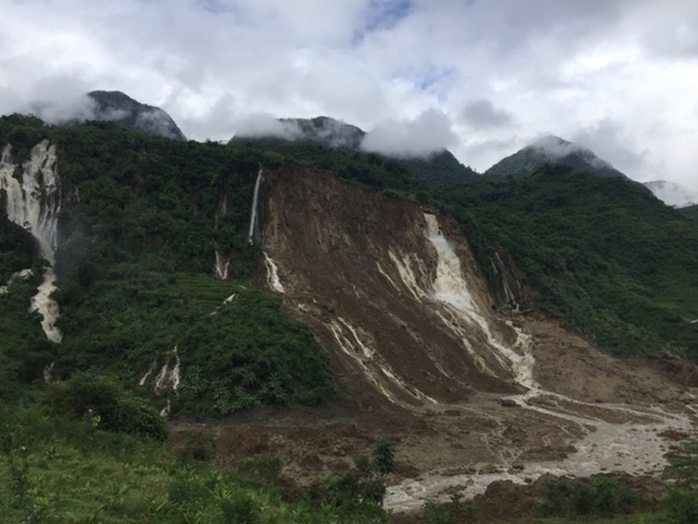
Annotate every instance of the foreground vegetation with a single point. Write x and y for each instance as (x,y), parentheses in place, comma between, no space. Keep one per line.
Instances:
(55,468)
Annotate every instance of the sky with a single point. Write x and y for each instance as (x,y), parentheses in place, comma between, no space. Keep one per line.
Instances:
(482,78)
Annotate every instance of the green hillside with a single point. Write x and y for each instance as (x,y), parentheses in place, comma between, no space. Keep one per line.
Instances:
(139,224)
(600,252)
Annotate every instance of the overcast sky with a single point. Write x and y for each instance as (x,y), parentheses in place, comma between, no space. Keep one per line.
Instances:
(481,77)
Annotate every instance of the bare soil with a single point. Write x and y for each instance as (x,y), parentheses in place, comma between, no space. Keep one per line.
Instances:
(429,377)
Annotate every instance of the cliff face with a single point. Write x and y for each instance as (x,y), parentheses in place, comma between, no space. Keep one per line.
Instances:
(392,287)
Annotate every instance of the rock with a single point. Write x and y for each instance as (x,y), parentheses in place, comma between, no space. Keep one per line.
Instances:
(687,397)
(508,403)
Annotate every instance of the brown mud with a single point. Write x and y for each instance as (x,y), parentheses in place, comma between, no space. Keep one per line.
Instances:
(472,392)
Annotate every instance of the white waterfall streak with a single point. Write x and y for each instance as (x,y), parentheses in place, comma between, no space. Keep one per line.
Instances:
(221,266)
(25,273)
(450,288)
(169,376)
(33,202)
(255,203)
(273,275)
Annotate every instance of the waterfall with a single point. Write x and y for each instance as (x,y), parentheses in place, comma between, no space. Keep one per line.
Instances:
(253,212)
(273,280)
(33,202)
(221,266)
(450,287)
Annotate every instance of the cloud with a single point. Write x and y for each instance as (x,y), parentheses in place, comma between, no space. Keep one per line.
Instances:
(428,133)
(609,140)
(258,125)
(500,70)
(482,113)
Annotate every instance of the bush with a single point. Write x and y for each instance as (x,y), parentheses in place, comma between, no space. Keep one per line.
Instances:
(137,416)
(682,506)
(600,495)
(120,410)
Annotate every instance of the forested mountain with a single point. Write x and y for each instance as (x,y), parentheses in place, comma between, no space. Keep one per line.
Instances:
(304,299)
(438,169)
(117,107)
(551,151)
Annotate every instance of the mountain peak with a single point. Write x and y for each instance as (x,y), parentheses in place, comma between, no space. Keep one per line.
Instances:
(118,107)
(327,131)
(552,150)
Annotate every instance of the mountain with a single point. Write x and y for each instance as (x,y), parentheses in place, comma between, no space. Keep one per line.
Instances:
(278,309)
(117,107)
(672,194)
(551,150)
(327,132)
(438,169)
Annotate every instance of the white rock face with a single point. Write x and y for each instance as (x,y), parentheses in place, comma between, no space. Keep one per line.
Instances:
(33,202)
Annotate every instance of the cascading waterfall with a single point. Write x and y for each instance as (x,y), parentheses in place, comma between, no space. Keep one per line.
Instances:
(450,288)
(273,279)
(627,439)
(33,202)
(253,211)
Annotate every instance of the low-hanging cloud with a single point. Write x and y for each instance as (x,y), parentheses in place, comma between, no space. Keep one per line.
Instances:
(428,133)
(54,98)
(608,139)
(258,125)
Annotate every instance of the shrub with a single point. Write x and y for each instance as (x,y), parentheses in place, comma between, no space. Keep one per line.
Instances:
(600,495)
(120,410)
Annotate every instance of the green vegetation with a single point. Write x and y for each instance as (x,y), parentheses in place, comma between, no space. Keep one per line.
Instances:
(17,247)
(141,220)
(600,252)
(681,504)
(691,212)
(55,469)
(598,496)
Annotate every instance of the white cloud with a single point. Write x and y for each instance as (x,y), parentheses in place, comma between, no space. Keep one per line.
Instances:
(265,125)
(428,133)
(619,75)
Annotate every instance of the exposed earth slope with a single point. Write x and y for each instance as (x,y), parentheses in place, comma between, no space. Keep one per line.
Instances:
(472,393)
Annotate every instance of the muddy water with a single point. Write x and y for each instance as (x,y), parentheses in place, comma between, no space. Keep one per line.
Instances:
(632,444)
(632,448)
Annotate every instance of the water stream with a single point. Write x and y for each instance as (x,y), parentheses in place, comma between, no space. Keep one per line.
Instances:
(633,445)
(33,202)
(255,204)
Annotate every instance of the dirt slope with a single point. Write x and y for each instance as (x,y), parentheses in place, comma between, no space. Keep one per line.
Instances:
(471,396)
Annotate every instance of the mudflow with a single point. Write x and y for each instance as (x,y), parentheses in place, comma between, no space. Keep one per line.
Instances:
(473,393)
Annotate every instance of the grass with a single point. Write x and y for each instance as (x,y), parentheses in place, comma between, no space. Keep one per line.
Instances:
(56,470)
